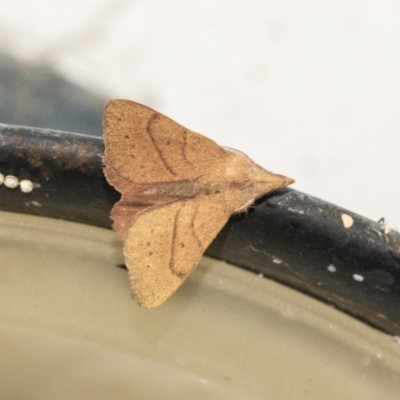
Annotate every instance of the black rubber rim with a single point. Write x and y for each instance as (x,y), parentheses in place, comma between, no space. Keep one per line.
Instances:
(288,236)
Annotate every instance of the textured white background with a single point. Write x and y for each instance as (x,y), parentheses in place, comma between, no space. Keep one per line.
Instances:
(310,89)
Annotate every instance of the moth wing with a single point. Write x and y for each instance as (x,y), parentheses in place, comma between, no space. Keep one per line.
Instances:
(131,203)
(144,146)
(165,243)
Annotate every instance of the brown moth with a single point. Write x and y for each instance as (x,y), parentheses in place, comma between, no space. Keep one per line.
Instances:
(178,190)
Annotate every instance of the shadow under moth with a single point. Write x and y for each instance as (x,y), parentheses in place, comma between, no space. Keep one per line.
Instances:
(178,189)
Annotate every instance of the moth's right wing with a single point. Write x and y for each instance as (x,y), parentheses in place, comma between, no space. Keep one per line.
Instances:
(165,243)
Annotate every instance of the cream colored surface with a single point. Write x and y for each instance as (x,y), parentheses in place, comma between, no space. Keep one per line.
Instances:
(69,329)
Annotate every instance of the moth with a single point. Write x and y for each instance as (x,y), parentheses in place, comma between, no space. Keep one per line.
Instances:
(178,189)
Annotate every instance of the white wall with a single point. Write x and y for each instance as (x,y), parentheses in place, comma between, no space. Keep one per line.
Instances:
(310,89)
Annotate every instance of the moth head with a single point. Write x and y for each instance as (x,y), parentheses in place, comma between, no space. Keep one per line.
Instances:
(252,180)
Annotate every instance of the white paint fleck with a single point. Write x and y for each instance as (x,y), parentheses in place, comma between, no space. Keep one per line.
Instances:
(276,260)
(331,268)
(378,232)
(396,339)
(260,275)
(295,210)
(26,186)
(1,179)
(36,204)
(254,249)
(347,220)
(386,226)
(319,283)
(379,355)
(358,278)
(11,181)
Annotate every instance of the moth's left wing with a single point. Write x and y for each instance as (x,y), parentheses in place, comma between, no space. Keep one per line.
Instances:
(165,243)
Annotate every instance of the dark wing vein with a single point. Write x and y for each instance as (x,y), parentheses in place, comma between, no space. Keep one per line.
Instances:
(153,117)
(173,242)
(184,149)
(174,246)
(193,228)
